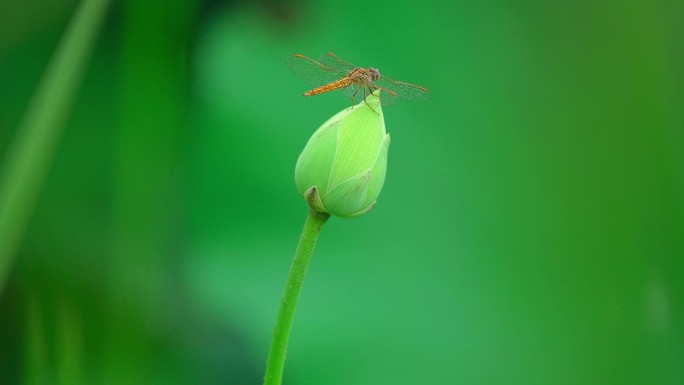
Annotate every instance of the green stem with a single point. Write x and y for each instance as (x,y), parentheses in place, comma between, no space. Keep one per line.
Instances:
(281,333)
(30,154)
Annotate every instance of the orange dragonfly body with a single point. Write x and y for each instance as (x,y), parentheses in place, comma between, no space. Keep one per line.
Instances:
(333,73)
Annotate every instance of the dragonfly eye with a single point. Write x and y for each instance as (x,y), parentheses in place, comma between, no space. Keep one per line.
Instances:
(375,74)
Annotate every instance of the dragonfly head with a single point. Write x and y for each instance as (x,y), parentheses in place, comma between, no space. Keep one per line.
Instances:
(374,73)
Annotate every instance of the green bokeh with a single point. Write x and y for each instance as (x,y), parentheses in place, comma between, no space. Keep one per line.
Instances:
(530,230)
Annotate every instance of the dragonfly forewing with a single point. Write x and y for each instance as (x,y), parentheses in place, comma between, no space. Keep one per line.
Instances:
(313,72)
(331,60)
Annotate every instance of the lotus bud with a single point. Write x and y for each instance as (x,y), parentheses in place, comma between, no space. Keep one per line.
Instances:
(342,168)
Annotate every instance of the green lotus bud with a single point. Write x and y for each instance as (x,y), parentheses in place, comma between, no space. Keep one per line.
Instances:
(342,168)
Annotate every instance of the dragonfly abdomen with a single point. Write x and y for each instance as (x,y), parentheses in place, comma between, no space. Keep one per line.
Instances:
(344,82)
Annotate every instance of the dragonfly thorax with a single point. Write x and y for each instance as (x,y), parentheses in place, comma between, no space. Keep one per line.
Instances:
(364,75)
(374,73)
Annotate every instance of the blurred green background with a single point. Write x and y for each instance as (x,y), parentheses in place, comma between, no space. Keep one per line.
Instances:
(530,231)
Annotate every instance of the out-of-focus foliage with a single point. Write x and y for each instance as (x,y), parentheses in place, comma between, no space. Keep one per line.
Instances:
(542,242)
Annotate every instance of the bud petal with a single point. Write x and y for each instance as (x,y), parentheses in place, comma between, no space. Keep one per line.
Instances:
(345,161)
(350,193)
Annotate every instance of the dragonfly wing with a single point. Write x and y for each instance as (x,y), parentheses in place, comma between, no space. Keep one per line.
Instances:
(387,98)
(353,91)
(402,90)
(357,92)
(331,60)
(313,72)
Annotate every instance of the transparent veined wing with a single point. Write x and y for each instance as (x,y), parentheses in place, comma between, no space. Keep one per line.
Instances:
(394,89)
(314,72)
(332,60)
(353,91)
(357,92)
(387,97)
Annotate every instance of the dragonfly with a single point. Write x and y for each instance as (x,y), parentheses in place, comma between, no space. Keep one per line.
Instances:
(334,73)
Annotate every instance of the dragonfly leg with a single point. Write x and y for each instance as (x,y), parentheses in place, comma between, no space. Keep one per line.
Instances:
(353,96)
(364,100)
